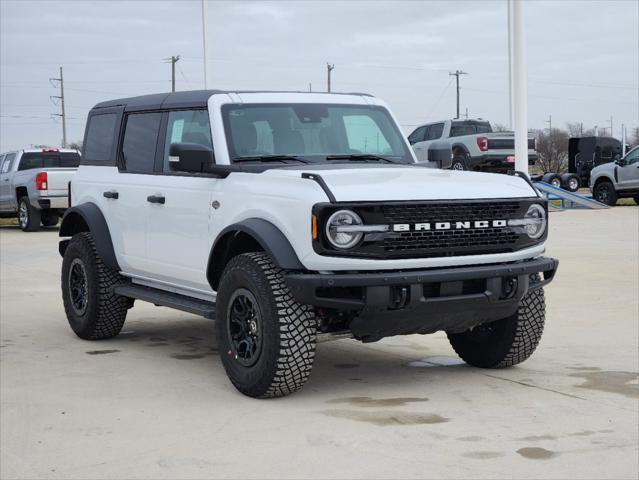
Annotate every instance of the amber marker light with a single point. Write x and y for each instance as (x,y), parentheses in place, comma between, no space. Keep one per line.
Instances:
(314,227)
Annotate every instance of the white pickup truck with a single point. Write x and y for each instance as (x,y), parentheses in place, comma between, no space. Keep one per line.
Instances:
(34,185)
(475,145)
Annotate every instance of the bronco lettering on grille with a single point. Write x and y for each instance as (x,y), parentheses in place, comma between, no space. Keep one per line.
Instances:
(464,225)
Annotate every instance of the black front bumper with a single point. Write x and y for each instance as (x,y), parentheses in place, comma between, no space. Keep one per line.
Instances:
(423,301)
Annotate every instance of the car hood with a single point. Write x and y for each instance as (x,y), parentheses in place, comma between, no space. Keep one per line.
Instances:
(390,182)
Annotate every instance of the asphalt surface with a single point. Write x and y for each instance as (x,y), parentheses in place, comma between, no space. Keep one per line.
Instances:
(155,402)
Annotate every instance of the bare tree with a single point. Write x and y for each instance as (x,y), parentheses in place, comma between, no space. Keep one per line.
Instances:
(576,129)
(498,127)
(75,145)
(552,150)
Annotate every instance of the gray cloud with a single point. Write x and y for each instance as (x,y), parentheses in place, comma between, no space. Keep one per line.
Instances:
(582,56)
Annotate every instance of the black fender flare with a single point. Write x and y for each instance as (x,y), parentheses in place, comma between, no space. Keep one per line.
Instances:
(462,147)
(267,235)
(88,217)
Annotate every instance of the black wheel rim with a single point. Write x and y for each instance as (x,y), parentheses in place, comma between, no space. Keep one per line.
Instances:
(244,327)
(603,194)
(78,291)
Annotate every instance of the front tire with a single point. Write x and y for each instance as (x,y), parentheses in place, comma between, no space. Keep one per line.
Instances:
(266,339)
(605,193)
(93,310)
(28,217)
(458,163)
(506,342)
(50,219)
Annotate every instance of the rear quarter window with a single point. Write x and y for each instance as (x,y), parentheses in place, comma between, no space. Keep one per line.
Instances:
(100,137)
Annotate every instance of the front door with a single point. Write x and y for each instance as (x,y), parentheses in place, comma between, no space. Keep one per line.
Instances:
(629,174)
(179,238)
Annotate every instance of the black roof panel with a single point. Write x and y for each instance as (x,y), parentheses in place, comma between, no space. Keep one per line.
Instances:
(188,99)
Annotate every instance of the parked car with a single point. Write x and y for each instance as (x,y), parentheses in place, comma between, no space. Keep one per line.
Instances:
(34,185)
(286,216)
(475,146)
(618,179)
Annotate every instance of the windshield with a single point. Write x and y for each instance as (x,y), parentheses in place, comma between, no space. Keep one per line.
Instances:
(313,133)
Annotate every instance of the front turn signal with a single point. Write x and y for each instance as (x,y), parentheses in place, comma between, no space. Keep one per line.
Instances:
(314,227)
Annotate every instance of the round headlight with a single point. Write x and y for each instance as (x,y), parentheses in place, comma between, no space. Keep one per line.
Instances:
(341,229)
(535,221)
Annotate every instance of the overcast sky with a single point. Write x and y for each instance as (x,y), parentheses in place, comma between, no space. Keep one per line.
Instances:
(583,57)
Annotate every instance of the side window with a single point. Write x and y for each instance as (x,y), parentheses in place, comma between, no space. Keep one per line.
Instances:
(100,137)
(632,157)
(364,135)
(8,162)
(186,126)
(140,142)
(417,136)
(3,168)
(435,131)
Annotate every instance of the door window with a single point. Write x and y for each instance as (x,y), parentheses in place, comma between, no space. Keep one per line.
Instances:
(2,165)
(417,136)
(140,142)
(435,131)
(186,126)
(8,160)
(632,157)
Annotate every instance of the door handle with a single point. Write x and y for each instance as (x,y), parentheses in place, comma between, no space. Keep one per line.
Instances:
(156,199)
(112,194)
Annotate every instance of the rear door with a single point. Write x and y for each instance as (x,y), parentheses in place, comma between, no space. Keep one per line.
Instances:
(434,133)
(629,174)
(8,202)
(179,233)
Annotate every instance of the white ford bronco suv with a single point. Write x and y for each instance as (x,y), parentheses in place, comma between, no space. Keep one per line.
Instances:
(289,217)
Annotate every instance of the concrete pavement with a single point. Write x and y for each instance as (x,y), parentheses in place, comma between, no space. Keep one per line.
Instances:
(155,402)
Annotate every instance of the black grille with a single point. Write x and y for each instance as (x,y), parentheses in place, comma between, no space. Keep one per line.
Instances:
(434,242)
(451,242)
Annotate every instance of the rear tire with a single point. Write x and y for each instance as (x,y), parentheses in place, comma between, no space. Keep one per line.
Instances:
(28,217)
(266,339)
(506,342)
(604,192)
(552,179)
(93,310)
(570,182)
(50,219)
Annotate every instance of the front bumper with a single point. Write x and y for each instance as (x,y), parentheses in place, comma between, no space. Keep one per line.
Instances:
(423,301)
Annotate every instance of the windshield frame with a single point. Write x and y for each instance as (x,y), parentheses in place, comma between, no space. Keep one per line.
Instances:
(406,158)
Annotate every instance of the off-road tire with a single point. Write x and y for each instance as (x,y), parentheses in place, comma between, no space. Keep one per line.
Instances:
(458,163)
(49,219)
(506,342)
(105,311)
(31,221)
(288,329)
(604,192)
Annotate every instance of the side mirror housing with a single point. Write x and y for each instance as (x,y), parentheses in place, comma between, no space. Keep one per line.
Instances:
(441,154)
(190,157)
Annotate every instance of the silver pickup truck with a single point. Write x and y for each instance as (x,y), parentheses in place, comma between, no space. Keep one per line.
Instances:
(475,146)
(34,185)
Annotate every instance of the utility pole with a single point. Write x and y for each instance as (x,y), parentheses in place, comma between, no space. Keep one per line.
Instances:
(612,132)
(457,73)
(623,140)
(549,122)
(581,129)
(310,87)
(62,114)
(204,28)
(329,69)
(173,60)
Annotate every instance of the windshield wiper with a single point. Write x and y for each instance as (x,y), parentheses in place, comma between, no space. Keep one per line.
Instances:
(270,158)
(359,156)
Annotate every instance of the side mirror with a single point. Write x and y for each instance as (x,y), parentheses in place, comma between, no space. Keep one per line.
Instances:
(441,154)
(190,157)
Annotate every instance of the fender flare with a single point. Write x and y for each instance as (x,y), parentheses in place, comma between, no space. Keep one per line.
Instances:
(89,217)
(269,237)
(462,146)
